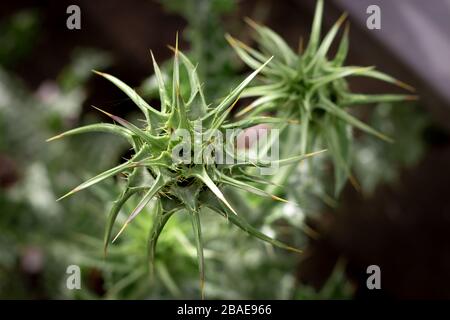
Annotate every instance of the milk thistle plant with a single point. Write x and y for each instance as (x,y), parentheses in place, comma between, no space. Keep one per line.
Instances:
(312,88)
(178,162)
(164,167)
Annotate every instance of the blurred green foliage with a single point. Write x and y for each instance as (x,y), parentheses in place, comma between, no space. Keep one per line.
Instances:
(376,162)
(18,35)
(40,237)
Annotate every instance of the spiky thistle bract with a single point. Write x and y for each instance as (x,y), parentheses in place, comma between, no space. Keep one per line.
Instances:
(174,185)
(312,87)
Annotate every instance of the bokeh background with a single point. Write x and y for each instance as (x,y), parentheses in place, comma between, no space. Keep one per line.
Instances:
(399,219)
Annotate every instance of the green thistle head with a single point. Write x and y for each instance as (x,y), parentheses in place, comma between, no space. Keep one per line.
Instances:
(313,88)
(158,169)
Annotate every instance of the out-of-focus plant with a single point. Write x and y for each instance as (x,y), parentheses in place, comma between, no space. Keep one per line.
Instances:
(313,88)
(18,35)
(29,175)
(376,162)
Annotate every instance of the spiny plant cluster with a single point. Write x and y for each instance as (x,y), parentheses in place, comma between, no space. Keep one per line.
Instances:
(307,86)
(176,186)
(313,88)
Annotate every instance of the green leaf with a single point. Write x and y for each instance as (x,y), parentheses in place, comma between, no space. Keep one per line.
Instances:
(159,222)
(370,73)
(245,176)
(162,88)
(253,121)
(98,127)
(152,191)
(305,116)
(142,153)
(262,101)
(326,43)
(176,75)
(233,94)
(218,122)
(245,226)
(331,107)
(160,142)
(135,183)
(314,38)
(336,74)
(194,82)
(267,89)
(102,176)
(296,159)
(156,117)
(273,43)
(196,226)
(115,209)
(255,55)
(352,99)
(243,52)
(247,187)
(204,177)
(342,51)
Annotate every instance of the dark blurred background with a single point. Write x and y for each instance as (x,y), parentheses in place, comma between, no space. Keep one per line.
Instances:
(400,220)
